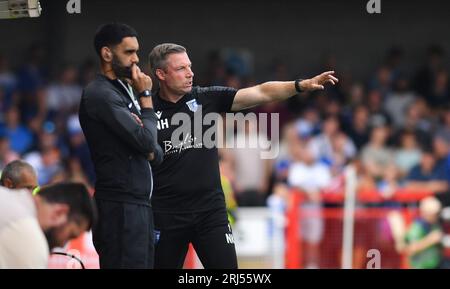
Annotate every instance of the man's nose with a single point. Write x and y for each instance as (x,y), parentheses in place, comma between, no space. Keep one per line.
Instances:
(135,59)
(190,73)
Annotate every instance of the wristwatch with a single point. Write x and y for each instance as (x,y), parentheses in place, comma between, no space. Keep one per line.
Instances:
(297,85)
(145,93)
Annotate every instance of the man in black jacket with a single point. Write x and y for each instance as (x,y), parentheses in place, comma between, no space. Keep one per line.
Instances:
(117,118)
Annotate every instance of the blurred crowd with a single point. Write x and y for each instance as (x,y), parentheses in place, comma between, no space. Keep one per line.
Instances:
(39,118)
(395,126)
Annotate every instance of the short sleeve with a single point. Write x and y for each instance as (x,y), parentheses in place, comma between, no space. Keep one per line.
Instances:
(220,98)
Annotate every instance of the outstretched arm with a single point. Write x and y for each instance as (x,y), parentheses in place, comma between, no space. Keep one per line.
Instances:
(278,90)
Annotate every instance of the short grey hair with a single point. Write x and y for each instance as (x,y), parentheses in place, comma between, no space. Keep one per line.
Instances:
(14,170)
(158,55)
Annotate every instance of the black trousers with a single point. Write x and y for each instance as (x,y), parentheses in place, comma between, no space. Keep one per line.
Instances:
(209,233)
(123,236)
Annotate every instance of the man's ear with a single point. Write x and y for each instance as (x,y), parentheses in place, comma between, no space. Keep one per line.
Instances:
(106,54)
(160,74)
(8,183)
(59,214)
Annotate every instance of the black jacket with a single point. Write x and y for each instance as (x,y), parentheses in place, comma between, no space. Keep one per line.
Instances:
(119,146)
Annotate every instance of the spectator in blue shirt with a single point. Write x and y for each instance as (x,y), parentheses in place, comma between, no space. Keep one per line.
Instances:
(19,135)
(428,175)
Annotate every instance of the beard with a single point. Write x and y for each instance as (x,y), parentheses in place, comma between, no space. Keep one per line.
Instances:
(52,241)
(120,70)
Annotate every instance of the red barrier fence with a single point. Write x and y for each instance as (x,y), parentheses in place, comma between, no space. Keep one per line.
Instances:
(371,229)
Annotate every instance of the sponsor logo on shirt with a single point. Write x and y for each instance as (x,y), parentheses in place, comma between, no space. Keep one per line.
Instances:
(188,143)
(195,130)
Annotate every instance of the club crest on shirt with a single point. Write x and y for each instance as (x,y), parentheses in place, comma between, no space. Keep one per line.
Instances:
(192,105)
